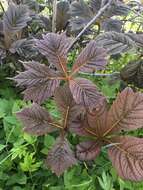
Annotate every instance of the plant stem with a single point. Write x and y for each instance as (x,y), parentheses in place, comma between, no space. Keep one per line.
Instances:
(54,15)
(100,12)
(2,6)
(99,74)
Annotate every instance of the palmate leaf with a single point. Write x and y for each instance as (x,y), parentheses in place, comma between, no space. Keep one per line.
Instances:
(90,59)
(80,9)
(80,14)
(127,157)
(116,8)
(15,18)
(40,81)
(36,120)
(115,42)
(60,157)
(85,93)
(126,113)
(54,47)
(105,125)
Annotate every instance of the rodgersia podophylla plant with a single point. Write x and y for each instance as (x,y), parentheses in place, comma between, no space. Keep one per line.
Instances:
(84,110)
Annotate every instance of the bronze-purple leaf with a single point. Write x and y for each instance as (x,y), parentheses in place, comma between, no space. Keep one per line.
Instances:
(90,59)
(15,18)
(55,47)
(60,157)
(41,92)
(40,80)
(87,150)
(127,157)
(36,120)
(85,93)
(126,113)
(66,104)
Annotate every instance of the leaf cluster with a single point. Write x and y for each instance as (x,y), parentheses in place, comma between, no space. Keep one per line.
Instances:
(84,109)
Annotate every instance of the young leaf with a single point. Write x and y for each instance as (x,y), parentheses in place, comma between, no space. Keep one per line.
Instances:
(95,5)
(132,73)
(54,47)
(90,59)
(127,157)
(36,120)
(60,157)
(40,81)
(112,25)
(88,150)
(116,8)
(126,113)
(80,14)
(62,16)
(15,18)
(85,93)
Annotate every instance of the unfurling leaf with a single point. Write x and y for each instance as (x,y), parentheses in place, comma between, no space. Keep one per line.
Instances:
(112,25)
(60,157)
(90,59)
(54,47)
(40,81)
(126,113)
(115,42)
(15,18)
(36,120)
(80,14)
(88,150)
(62,16)
(127,157)
(85,93)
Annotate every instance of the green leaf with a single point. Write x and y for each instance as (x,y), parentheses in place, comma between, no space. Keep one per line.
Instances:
(2,147)
(29,164)
(5,107)
(49,141)
(76,178)
(19,150)
(29,138)
(106,181)
(12,129)
(18,178)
